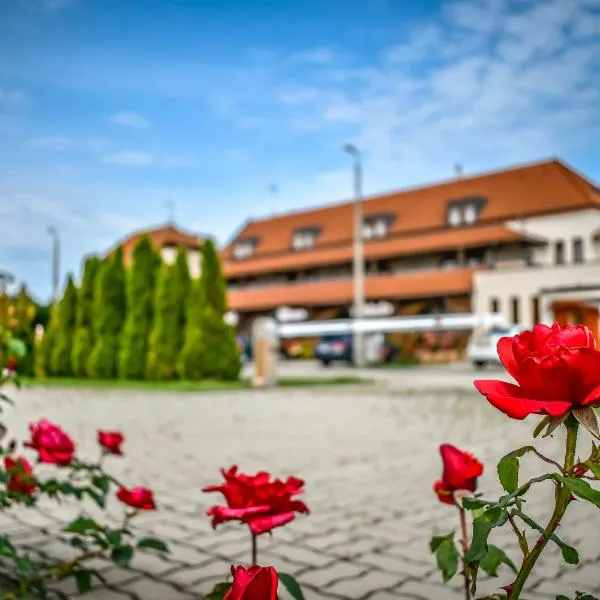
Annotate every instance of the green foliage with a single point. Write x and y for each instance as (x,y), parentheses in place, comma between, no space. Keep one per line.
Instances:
(109,315)
(493,559)
(140,302)
(83,340)
(163,348)
(182,284)
(212,281)
(446,554)
(60,357)
(218,592)
(508,468)
(24,329)
(44,347)
(582,489)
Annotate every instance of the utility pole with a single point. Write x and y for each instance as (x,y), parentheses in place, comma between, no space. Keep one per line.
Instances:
(53,232)
(358,271)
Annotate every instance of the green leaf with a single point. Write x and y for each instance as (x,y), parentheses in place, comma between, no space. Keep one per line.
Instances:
(102,482)
(83,579)
(493,559)
(6,547)
(122,555)
(446,555)
(153,544)
(569,553)
(17,347)
(593,467)
(114,537)
(218,592)
(508,468)
(82,525)
(291,585)
(582,489)
(471,503)
(99,499)
(540,426)
(482,526)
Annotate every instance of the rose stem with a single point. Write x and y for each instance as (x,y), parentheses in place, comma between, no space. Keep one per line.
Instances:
(465,547)
(562,496)
(254,550)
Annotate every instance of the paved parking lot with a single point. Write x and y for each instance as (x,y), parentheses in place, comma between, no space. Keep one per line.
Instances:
(369,456)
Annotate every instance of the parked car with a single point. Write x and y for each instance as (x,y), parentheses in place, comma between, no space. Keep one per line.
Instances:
(482,346)
(340,348)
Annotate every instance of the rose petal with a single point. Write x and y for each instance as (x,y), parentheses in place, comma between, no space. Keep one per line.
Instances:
(510,399)
(507,357)
(260,525)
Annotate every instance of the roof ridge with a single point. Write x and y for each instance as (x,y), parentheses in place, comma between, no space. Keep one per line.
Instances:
(414,188)
(582,184)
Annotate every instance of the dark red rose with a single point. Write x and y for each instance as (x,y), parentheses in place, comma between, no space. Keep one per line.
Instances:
(461,471)
(12,363)
(139,497)
(111,441)
(20,475)
(256,583)
(556,369)
(53,445)
(256,500)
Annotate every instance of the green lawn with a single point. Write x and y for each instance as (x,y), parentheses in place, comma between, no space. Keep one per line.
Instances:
(185,386)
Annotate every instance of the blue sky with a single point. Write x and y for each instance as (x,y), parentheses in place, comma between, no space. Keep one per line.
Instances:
(109,109)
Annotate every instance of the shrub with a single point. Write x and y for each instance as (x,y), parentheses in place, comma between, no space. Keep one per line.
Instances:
(24,328)
(140,302)
(213,282)
(43,367)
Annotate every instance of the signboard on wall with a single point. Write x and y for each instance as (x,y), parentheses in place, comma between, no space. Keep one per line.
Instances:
(376,309)
(286,314)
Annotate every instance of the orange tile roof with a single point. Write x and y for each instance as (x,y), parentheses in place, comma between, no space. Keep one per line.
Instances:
(522,191)
(382,287)
(168,235)
(412,243)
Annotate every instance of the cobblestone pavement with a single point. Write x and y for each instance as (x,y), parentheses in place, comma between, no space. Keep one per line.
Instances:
(369,456)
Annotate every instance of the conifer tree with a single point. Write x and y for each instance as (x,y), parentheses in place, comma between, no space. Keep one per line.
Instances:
(84,334)
(24,329)
(140,302)
(60,356)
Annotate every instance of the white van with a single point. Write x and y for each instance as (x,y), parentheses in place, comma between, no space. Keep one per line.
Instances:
(481,349)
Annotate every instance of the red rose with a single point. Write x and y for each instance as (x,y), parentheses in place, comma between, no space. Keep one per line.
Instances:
(461,471)
(139,497)
(12,363)
(256,500)
(111,441)
(20,475)
(256,583)
(54,446)
(556,369)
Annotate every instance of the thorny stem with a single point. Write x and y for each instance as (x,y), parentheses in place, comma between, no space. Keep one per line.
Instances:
(562,497)
(464,541)
(520,535)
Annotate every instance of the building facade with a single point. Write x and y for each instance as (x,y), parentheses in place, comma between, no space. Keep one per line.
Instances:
(524,242)
(167,239)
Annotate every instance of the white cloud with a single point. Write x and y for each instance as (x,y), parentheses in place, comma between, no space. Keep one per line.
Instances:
(129,158)
(52,143)
(129,119)
(12,97)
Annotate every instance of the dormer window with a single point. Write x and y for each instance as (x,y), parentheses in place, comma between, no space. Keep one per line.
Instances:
(304,238)
(375,227)
(464,211)
(244,249)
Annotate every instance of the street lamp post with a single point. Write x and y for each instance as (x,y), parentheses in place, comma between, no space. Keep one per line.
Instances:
(53,232)
(358,271)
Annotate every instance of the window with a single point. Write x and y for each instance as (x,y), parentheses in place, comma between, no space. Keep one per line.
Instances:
(535,309)
(243,249)
(375,228)
(454,216)
(514,304)
(559,253)
(494,306)
(577,250)
(304,239)
(470,214)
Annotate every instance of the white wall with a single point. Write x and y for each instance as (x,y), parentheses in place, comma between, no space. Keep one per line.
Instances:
(565,227)
(525,283)
(194,259)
